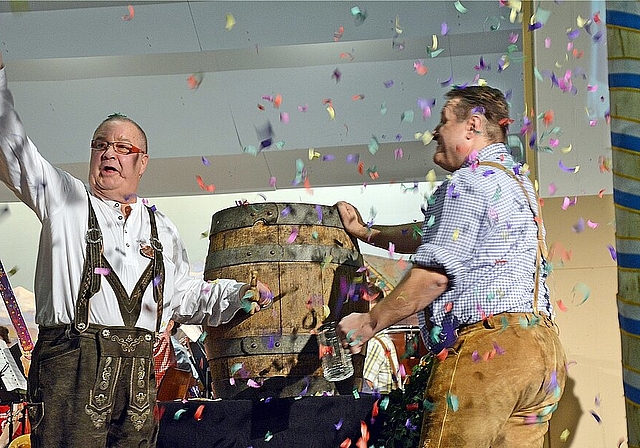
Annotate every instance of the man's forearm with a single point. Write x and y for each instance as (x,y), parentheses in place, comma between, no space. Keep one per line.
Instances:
(414,293)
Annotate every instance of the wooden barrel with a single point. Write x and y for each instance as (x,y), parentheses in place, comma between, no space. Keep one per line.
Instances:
(304,255)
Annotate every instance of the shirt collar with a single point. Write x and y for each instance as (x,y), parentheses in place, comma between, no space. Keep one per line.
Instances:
(495,152)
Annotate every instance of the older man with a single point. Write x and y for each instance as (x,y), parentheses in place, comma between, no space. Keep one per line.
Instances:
(110,271)
(478,286)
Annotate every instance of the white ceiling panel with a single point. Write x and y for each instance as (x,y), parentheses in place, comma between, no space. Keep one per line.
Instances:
(70,66)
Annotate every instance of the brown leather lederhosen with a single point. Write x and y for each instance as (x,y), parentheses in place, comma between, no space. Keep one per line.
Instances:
(115,343)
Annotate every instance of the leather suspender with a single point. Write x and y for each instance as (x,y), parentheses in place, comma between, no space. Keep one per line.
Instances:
(394,368)
(130,306)
(542,249)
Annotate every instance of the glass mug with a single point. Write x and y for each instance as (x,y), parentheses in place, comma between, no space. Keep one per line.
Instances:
(336,361)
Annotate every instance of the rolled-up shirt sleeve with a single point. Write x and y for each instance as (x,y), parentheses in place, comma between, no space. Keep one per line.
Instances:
(452,230)
(209,303)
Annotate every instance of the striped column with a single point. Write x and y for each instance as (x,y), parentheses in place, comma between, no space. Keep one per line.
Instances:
(623,38)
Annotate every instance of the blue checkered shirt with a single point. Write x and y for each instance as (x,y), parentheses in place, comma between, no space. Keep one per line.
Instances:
(479,227)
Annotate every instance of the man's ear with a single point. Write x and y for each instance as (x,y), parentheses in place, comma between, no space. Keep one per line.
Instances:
(143,164)
(475,124)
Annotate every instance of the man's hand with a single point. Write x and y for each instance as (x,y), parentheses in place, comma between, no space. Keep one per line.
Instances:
(256,295)
(355,330)
(352,221)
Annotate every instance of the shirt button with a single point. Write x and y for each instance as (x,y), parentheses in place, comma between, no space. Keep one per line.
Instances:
(120,217)
(128,245)
(116,205)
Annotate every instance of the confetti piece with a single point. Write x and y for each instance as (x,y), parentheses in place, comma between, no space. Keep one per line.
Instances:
(338,34)
(595,415)
(564,435)
(250,149)
(566,203)
(392,249)
(444,29)
(277,101)
(337,75)
(101,271)
(331,112)
(194,81)
(425,137)
(178,414)
(307,186)
(293,235)
(420,68)
(581,291)
(452,402)
(198,414)
(612,252)
(397,153)
(338,425)
(130,15)
(407,116)
(300,172)
(268,436)
(235,368)
(593,225)
(499,350)
(210,188)
(230,22)
(604,164)
(313,154)
(460,8)
(579,226)
(397,27)
(561,306)
(272,181)
(373,145)
(253,384)
(205,161)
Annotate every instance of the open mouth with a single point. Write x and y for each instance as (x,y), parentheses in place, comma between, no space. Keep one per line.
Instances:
(109,170)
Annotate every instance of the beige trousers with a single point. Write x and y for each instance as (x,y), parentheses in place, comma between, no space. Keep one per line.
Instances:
(498,387)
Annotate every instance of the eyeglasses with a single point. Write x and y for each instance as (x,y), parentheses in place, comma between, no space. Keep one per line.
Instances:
(124,148)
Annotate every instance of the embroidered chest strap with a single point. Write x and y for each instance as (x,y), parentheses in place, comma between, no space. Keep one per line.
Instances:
(130,306)
(90,280)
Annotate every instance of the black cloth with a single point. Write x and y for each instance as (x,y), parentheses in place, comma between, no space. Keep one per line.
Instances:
(307,422)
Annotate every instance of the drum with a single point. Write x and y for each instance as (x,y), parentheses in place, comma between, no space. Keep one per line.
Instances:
(304,255)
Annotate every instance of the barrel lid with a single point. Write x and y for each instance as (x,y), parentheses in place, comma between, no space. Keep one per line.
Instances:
(275,213)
